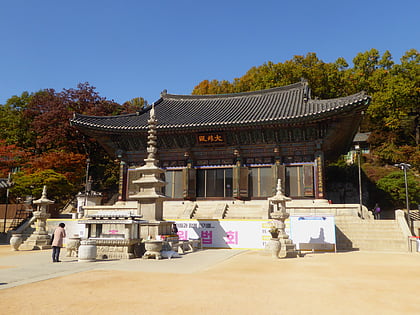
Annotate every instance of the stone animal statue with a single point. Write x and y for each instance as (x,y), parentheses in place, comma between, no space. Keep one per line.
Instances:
(73,246)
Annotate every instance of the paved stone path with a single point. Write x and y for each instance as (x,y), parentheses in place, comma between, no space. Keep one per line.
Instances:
(25,267)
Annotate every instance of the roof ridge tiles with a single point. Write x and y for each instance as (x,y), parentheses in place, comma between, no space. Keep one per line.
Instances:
(298,85)
(281,104)
(359,96)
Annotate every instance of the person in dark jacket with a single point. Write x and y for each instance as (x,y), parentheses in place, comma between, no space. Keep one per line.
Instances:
(377,211)
(174,229)
(57,243)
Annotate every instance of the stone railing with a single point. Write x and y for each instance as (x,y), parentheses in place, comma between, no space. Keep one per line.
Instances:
(402,223)
(113,214)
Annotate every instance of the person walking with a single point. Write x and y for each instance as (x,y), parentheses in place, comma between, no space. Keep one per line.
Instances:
(57,241)
(377,211)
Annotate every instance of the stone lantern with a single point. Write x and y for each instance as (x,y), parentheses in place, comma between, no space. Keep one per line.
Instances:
(40,239)
(280,214)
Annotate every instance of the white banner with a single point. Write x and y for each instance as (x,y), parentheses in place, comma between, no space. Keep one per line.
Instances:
(241,234)
(313,232)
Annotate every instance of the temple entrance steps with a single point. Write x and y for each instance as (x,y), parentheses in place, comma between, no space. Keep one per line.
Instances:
(173,210)
(194,210)
(376,235)
(254,210)
(205,210)
(217,209)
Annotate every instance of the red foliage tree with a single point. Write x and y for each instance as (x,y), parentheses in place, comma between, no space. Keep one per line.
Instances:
(11,156)
(49,120)
(69,164)
(58,145)
(50,113)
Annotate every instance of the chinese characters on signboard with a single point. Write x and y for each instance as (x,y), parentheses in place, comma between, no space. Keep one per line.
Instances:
(211,138)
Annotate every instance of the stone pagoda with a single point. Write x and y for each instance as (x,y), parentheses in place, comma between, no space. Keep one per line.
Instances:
(120,229)
(149,196)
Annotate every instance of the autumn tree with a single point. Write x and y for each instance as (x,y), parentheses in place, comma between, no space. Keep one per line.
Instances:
(59,188)
(39,125)
(326,79)
(14,126)
(62,147)
(394,112)
(11,157)
(50,113)
(134,105)
(70,164)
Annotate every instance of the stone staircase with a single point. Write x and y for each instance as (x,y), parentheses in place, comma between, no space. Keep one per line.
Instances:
(206,210)
(247,211)
(353,233)
(215,210)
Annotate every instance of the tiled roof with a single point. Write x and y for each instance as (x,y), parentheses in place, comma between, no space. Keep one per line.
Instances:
(279,105)
(361,136)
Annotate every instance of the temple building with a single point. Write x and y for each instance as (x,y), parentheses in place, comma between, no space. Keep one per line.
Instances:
(234,146)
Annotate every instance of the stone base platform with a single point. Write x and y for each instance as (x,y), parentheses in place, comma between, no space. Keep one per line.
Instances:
(288,249)
(36,242)
(118,248)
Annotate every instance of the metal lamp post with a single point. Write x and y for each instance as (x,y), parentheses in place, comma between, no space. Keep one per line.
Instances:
(87,180)
(358,150)
(405,167)
(7,204)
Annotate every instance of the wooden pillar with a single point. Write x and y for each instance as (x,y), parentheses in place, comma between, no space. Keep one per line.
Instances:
(189,182)
(308,180)
(240,179)
(240,182)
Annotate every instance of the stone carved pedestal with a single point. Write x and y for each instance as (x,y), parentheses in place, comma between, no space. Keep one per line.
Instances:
(72,247)
(87,251)
(118,248)
(288,249)
(273,247)
(153,249)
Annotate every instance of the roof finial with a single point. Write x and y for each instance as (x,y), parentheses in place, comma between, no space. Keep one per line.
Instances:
(152,139)
(306,89)
(44,192)
(152,112)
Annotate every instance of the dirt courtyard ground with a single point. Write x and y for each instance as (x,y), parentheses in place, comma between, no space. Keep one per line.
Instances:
(248,283)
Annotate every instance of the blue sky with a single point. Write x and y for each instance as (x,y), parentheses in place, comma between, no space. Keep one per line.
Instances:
(132,48)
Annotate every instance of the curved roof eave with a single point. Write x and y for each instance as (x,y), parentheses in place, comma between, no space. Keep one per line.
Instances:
(282,105)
